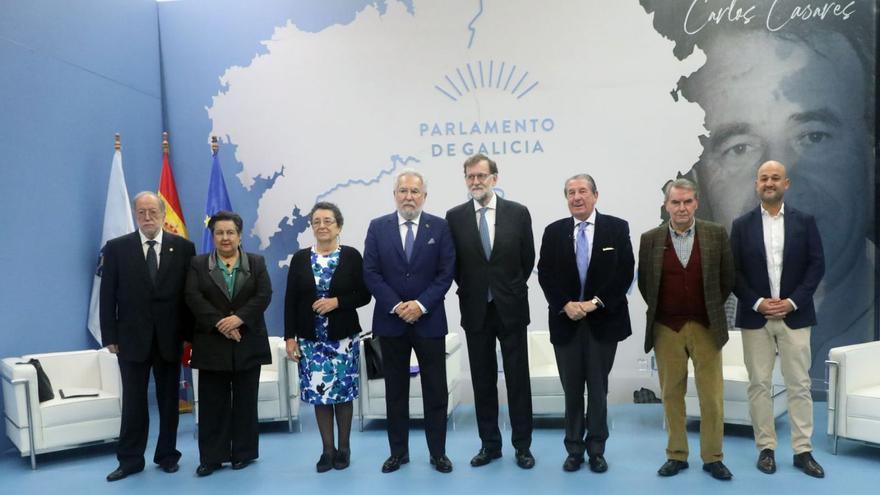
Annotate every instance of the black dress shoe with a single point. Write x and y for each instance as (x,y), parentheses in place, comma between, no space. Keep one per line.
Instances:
(718,470)
(207,468)
(598,464)
(236,465)
(572,463)
(672,467)
(170,467)
(325,462)
(120,473)
(394,462)
(805,462)
(441,463)
(341,459)
(524,458)
(485,456)
(767,461)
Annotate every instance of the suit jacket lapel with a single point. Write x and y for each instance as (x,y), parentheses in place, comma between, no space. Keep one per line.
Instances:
(708,245)
(756,225)
(165,259)
(216,275)
(139,260)
(658,241)
(422,237)
(472,228)
(244,273)
(394,234)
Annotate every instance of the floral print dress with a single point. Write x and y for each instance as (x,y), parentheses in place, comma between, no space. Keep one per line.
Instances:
(328,369)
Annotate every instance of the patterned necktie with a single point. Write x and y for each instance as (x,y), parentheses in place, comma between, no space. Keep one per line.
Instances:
(152,261)
(408,240)
(582,255)
(484,240)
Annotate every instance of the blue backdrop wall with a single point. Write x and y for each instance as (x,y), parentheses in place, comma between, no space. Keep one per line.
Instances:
(72,77)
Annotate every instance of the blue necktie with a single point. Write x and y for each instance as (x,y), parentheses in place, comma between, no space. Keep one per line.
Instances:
(152,261)
(582,255)
(484,240)
(408,240)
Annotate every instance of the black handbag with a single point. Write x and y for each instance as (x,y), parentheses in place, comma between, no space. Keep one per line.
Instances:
(373,356)
(44,386)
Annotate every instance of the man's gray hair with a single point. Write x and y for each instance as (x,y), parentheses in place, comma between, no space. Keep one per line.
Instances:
(586,177)
(680,183)
(409,171)
(147,193)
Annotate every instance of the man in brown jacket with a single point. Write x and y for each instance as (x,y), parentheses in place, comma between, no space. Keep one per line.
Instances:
(686,273)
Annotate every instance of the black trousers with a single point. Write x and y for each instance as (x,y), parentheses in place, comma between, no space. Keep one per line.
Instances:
(585,360)
(484,375)
(431,353)
(135,426)
(228,425)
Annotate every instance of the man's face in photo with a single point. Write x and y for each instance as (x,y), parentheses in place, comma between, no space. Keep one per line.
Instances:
(801,102)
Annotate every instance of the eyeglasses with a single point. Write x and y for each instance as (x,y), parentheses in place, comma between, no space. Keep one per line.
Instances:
(477,177)
(326,222)
(413,192)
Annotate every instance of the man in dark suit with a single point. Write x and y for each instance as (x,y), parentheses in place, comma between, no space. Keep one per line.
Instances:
(144,321)
(779,263)
(494,257)
(685,275)
(409,263)
(585,270)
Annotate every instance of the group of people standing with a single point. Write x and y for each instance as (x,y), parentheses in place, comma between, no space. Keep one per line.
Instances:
(156,293)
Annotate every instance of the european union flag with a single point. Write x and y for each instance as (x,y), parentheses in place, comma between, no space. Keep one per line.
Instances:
(218,199)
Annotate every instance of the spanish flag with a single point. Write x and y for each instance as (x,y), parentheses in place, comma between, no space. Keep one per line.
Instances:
(174,222)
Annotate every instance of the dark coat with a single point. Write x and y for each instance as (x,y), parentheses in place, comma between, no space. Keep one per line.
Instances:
(209,301)
(133,309)
(609,277)
(505,272)
(803,265)
(347,285)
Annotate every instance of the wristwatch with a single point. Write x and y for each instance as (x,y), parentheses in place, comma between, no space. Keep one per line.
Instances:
(597,302)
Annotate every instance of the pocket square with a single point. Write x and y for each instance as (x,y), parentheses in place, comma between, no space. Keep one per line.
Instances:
(431,241)
(608,249)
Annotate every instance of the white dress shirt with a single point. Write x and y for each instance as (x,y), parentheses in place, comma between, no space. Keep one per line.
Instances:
(774,243)
(401,222)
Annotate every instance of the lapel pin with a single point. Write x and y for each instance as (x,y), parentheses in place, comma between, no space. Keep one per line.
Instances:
(171,250)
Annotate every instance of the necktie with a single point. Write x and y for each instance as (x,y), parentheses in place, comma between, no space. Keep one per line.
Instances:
(408,240)
(484,233)
(484,240)
(152,261)
(582,255)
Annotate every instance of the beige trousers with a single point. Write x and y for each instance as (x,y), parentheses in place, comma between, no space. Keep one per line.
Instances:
(759,350)
(672,350)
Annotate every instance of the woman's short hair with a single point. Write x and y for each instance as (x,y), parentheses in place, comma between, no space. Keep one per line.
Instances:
(326,205)
(223,215)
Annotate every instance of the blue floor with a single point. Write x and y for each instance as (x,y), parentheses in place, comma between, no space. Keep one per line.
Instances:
(287,464)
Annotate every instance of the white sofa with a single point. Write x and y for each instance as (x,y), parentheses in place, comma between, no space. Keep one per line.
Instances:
(371,403)
(278,380)
(736,385)
(854,393)
(548,398)
(58,424)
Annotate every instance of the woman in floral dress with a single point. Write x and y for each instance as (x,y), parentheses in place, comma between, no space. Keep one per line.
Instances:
(324,289)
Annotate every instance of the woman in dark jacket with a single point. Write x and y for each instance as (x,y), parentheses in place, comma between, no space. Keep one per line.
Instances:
(228,290)
(325,286)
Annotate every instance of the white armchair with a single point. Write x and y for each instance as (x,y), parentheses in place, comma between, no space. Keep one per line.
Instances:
(736,386)
(548,398)
(279,380)
(371,403)
(59,424)
(854,393)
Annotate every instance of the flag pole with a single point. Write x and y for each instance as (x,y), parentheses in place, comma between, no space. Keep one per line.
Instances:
(165,142)
(214,145)
(117,142)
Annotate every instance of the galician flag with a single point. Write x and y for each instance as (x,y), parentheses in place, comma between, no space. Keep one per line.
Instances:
(174,222)
(117,222)
(218,199)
